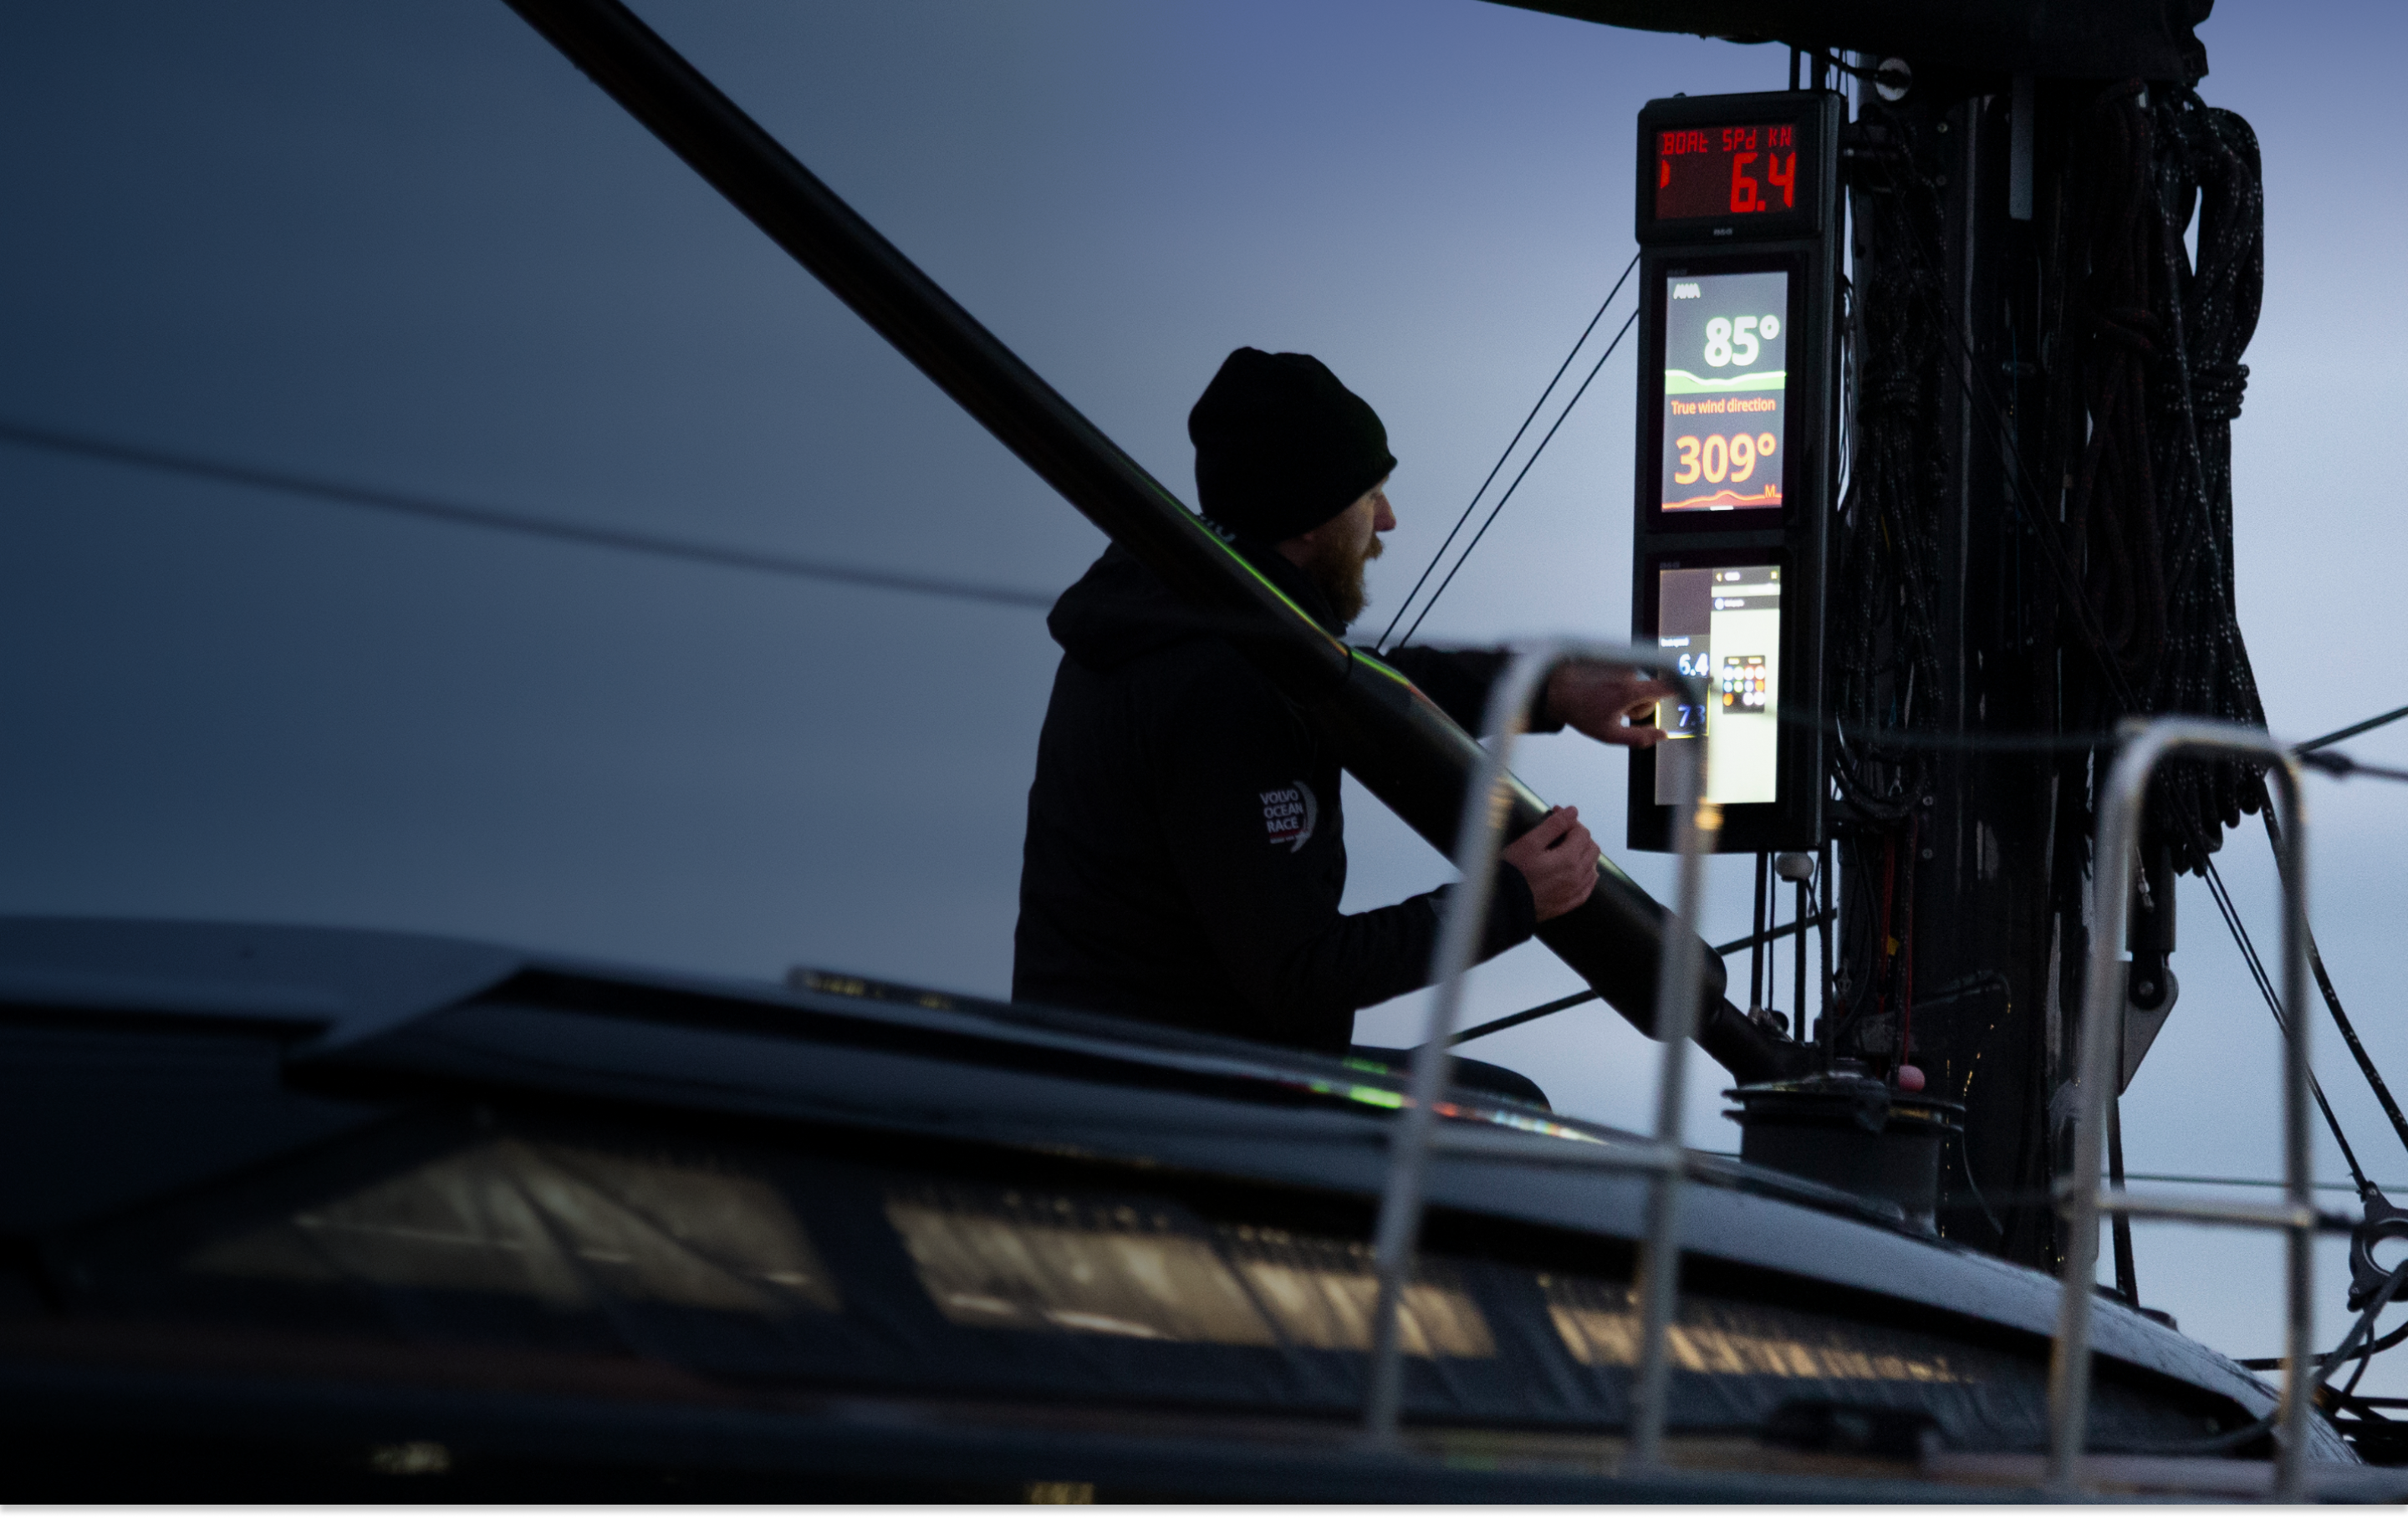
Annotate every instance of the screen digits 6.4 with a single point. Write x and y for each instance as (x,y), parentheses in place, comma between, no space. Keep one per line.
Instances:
(1726,391)
(1725,171)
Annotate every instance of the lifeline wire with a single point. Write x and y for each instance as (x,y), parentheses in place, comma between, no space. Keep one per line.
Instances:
(2339,765)
(2224,1180)
(1472,504)
(493,520)
(1490,520)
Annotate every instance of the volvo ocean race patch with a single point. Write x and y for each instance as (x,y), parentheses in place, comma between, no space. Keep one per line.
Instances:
(1289,815)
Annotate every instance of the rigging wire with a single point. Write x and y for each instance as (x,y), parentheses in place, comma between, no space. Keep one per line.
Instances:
(2342,766)
(1491,518)
(493,519)
(2332,998)
(2369,725)
(1499,466)
(1578,998)
(2274,1005)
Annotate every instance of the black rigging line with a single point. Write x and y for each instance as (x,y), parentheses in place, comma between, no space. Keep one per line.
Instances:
(2369,725)
(2332,1001)
(2341,766)
(1491,518)
(1577,997)
(494,520)
(1535,406)
(2274,1004)
(1515,1019)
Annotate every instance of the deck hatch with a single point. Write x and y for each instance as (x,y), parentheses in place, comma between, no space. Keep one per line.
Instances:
(566,1226)
(1008,1259)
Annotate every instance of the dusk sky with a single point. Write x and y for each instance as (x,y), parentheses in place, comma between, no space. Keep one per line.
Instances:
(406,245)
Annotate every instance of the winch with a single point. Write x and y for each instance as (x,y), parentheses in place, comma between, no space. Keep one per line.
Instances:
(1852,1132)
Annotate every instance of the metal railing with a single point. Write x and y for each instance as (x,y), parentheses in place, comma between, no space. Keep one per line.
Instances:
(2147,745)
(1478,841)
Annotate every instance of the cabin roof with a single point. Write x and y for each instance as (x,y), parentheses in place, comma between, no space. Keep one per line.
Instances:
(347,1029)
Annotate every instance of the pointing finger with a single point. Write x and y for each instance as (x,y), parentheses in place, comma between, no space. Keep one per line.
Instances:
(1647,691)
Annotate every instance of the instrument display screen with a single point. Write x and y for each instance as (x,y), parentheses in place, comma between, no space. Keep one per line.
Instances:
(1723,627)
(1726,391)
(1725,171)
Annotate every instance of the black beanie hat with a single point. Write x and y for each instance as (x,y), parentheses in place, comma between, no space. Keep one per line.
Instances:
(1280,446)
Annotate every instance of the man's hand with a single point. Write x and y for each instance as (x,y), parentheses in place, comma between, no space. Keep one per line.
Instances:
(1559,860)
(1602,700)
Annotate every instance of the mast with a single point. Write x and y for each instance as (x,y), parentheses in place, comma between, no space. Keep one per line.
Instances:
(1983,921)
(1945,628)
(2038,540)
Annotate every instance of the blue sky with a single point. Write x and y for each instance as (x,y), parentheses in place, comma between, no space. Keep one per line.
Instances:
(406,245)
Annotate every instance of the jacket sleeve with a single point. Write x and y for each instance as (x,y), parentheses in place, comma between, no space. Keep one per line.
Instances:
(1234,764)
(1459,680)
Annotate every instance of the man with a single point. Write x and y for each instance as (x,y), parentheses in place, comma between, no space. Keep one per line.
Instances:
(1184,857)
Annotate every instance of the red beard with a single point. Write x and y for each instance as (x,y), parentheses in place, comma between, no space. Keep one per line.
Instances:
(1339,572)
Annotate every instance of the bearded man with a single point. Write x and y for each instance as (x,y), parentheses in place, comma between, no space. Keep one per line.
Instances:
(1185,855)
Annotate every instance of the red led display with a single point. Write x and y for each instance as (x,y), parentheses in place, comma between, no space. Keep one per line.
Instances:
(1725,171)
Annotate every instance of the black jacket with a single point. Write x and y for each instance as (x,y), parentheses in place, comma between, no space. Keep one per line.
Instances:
(1185,851)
